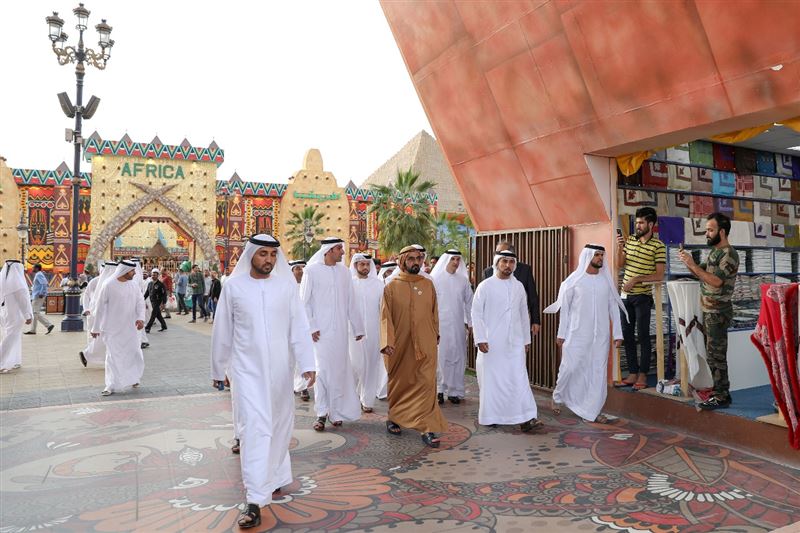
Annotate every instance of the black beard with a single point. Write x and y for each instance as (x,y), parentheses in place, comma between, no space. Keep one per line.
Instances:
(266,271)
(413,269)
(714,241)
(595,265)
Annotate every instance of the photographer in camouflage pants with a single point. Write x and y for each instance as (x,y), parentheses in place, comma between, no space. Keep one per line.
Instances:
(717,276)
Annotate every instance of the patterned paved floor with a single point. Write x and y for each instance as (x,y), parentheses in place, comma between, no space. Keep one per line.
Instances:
(156,465)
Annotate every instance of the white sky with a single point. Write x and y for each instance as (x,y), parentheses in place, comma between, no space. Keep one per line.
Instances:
(267,80)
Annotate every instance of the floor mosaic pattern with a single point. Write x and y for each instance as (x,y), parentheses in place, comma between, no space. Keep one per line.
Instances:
(161,465)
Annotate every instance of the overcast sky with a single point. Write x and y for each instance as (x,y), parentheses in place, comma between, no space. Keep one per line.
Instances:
(265,80)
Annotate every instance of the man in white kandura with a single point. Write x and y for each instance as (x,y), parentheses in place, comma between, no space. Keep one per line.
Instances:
(501,327)
(15,312)
(95,351)
(259,330)
(120,317)
(387,269)
(365,355)
(327,291)
(141,282)
(454,297)
(588,301)
(300,383)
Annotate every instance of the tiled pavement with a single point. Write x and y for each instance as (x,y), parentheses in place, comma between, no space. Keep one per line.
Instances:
(138,463)
(177,363)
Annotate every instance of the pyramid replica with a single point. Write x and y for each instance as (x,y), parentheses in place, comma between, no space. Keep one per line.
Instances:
(423,155)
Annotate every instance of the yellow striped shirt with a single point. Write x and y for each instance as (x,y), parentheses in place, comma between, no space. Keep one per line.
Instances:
(640,260)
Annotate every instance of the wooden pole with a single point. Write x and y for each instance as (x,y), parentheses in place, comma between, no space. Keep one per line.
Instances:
(684,373)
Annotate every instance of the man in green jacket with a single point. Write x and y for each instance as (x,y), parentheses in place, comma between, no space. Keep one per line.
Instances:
(197,283)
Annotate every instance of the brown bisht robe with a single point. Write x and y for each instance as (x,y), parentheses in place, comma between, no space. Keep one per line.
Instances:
(410,323)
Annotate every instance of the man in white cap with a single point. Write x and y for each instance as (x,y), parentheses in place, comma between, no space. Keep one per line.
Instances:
(588,301)
(327,291)
(95,351)
(300,383)
(15,312)
(120,317)
(259,330)
(157,294)
(454,297)
(383,381)
(365,354)
(501,327)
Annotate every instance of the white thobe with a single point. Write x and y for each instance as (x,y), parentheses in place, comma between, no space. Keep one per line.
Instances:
(16,309)
(587,311)
(300,383)
(259,329)
(365,355)
(500,318)
(119,305)
(330,303)
(454,296)
(95,351)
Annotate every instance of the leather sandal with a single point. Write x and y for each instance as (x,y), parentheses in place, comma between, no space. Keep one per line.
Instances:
(251,517)
(393,428)
(319,425)
(431,440)
(236,448)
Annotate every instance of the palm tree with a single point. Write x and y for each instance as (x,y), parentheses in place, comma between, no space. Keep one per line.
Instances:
(301,223)
(404,217)
(452,231)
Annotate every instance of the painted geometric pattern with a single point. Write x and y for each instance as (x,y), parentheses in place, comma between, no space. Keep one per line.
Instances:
(151,465)
(156,151)
(366,195)
(27,176)
(251,188)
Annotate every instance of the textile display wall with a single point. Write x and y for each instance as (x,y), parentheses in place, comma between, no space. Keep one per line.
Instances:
(759,191)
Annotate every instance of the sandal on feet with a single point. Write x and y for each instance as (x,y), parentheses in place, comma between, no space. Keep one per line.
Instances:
(601,419)
(365,409)
(639,386)
(336,424)
(251,517)
(556,407)
(393,428)
(106,392)
(84,362)
(430,439)
(236,448)
(304,395)
(533,423)
(319,425)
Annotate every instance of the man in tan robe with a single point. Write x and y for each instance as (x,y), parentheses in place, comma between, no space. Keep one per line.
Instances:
(409,338)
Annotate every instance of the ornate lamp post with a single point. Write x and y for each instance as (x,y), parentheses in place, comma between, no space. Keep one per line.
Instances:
(80,56)
(22,233)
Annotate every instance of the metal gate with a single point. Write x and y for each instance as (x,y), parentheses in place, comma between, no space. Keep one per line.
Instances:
(547,251)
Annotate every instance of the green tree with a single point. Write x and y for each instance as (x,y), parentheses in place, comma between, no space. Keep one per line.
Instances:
(306,220)
(452,231)
(403,213)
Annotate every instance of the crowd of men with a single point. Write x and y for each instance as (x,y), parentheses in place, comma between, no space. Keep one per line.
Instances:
(400,333)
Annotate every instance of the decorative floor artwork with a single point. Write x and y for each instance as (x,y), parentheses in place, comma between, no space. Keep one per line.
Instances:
(163,465)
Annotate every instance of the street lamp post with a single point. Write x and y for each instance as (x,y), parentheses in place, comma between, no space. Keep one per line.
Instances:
(78,55)
(22,233)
